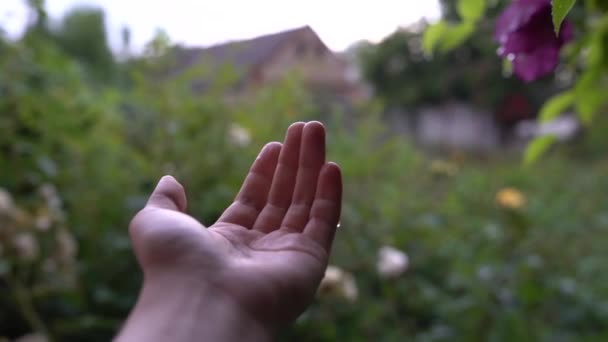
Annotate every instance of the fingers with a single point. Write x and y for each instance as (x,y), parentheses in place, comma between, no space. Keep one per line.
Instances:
(325,212)
(311,160)
(283,182)
(168,194)
(254,192)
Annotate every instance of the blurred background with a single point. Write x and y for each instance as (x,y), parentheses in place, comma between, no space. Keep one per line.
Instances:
(446,234)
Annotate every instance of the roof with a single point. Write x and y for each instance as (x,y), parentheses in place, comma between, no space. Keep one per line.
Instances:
(241,55)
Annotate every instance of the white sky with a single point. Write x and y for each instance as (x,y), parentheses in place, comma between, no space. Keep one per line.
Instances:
(203,22)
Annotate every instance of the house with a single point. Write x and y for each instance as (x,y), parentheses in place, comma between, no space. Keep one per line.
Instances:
(460,126)
(266,59)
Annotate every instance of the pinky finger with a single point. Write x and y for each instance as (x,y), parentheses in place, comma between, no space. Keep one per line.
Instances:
(325,211)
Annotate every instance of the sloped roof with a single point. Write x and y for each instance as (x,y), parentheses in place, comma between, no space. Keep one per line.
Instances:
(241,55)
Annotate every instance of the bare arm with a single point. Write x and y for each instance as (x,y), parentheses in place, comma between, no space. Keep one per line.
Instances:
(254,270)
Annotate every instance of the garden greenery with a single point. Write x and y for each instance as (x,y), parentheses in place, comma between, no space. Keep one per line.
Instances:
(449,248)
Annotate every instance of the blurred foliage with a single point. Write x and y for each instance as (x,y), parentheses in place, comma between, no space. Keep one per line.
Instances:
(583,76)
(451,60)
(82,34)
(525,266)
(495,252)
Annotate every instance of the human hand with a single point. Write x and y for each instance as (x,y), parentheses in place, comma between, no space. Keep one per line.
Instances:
(254,270)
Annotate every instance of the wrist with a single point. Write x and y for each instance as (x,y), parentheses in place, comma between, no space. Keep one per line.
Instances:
(178,309)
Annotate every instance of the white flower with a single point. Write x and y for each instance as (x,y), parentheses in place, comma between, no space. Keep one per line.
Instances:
(391,262)
(485,272)
(239,135)
(333,276)
(26,246)
(43,221)
(6,202)
(49,192)
(349,288)
(340,283)
(567,285)
(66,245)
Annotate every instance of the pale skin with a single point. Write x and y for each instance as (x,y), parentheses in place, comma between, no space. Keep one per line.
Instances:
(253,271)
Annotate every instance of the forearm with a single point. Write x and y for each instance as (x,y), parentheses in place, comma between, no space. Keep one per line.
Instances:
(174,311)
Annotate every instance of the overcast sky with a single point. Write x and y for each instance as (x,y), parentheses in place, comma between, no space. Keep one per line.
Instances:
(203,22)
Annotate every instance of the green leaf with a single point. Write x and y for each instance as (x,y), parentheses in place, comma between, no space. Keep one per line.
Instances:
(471,10)
(507,67)
(432,36)
(537,147)
(556,106)
(456,35)
(561,8)
(590,95)
(595,51)
(588,104)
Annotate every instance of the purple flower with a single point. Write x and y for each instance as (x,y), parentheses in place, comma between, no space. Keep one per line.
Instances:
(525,33)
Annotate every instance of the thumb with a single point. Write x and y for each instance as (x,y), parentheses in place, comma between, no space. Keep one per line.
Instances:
(168,194)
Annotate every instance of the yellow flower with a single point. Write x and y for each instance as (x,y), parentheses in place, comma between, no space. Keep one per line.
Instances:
(510,198)
(443,168)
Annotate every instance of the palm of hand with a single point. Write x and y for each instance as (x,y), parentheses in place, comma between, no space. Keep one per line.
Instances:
(269,249)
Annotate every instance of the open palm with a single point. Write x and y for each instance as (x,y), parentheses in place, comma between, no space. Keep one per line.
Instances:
(269,249)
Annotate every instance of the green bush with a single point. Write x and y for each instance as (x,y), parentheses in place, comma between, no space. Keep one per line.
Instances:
(77,160)
(479,270)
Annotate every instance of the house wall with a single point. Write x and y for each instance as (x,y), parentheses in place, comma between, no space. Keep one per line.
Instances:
(308,58)
(452,126)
